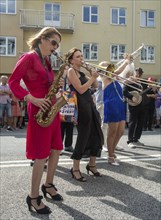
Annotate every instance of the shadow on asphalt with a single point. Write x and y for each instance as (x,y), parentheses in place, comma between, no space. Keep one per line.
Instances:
(134,202)
(73,212)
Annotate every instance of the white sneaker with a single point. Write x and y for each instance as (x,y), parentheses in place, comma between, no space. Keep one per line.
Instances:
(139,143)
(105,149)
(118,147)
(132,145)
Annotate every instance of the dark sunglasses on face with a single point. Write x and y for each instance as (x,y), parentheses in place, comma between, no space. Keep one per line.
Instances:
(53,42)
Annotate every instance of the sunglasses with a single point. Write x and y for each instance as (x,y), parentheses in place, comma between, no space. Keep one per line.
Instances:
(53,42)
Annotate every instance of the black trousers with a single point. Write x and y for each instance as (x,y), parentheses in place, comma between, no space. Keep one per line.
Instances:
(149,117)
(136,122)
(67,133)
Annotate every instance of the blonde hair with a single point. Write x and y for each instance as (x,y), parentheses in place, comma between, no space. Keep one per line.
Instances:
(103,64)
(46,32)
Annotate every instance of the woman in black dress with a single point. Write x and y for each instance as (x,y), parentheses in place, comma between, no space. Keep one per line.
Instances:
(90,137)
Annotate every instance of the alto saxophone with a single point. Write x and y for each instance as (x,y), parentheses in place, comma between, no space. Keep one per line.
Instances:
(44,119)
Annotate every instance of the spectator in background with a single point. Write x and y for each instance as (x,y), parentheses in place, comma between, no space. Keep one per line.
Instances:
(67,127)
(100,108)
(5,103)
(158,108)
(150,107)
(21,122)
(16,112)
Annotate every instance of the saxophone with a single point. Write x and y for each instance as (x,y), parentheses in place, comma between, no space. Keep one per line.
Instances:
(44,119)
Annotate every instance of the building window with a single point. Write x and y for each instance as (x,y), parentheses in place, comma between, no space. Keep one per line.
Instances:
(7,46)
(118,16)
(90,51)
(52,14)
(147,54)
(117,52)
(147,18)
(7,6)
(90,14)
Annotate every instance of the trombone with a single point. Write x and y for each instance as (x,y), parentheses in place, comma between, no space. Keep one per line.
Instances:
(109,75)
(146,82)
(129,68)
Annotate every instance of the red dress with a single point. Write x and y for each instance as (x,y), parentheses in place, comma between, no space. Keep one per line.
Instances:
(40,140)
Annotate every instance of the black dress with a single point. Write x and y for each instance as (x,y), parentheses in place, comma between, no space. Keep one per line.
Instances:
(90,136)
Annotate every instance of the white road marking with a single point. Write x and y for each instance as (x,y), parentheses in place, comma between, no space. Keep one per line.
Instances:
(63,161)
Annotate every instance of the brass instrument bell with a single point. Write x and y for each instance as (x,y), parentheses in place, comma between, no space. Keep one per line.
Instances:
(111,68)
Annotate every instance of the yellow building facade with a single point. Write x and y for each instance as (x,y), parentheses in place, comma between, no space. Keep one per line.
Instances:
(103,30)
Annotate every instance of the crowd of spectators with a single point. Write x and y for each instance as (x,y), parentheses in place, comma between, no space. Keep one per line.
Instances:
(13,114)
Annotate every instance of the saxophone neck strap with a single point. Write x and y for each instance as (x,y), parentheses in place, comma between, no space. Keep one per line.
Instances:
(37,50)
(43,60)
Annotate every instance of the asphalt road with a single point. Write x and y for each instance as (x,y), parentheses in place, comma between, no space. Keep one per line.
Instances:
(131,191)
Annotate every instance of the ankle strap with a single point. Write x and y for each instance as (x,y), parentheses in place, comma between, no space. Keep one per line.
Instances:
(39,198)
(51,185)
(76,171)
(111,158)
(91,166)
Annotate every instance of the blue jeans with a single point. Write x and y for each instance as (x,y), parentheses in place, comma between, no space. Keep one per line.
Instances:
(5,108)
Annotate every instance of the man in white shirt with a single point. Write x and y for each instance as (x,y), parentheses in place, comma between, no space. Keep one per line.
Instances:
(5,102)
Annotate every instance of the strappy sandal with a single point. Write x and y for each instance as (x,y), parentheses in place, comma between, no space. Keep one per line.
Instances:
(56,197)
(112,161)
(81,179)
(88,168)
(45,210)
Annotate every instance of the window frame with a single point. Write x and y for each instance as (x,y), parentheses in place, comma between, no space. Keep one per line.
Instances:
(52,17)
(5,46)
(147,18)
(118,16)
(7,7)
(119,54)
(147,54)
(91,52)
(90,14)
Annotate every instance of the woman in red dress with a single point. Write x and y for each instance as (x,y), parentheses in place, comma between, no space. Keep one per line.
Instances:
(42,143)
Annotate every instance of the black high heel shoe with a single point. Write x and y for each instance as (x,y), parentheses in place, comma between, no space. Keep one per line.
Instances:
(88,168)
(56,197)
(45,210)
(81,179)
